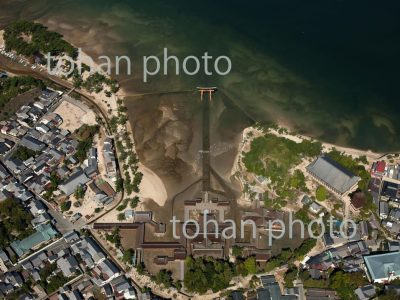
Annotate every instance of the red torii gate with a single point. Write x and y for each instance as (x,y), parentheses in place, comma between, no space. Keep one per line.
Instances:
(209,90)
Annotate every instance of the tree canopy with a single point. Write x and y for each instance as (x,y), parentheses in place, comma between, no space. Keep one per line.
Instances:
(15,222)
(345,283)
(203,274)
(321,193)
(28,38)
(11,87)
(273,157)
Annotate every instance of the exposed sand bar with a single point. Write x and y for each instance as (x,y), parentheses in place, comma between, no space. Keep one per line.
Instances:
(152,186)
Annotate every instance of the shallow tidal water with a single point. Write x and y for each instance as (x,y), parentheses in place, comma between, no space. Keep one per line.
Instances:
(326,68)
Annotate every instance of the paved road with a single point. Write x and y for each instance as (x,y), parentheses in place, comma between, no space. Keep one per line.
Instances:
(299,284)
(13,67)
(63,225)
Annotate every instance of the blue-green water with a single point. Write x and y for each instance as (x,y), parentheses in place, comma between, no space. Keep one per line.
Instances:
(329,68)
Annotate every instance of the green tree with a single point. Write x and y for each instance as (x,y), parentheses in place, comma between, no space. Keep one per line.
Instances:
(23,153)
(345,283)
(290,276)
(80,192)
(321,193)
(119,184)
(121,216)
(127,257)
(304,248)
(237,250)
(114,237)
(140,268)
(302,214)
(66,205)
(298,180)
(41,40)
(203,274)
(163,277)
(134,202)
(250,265)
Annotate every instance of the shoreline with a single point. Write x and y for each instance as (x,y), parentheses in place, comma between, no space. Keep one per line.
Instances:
(104,101)
(147,187)
(250,133)
(285,124)
(326,146)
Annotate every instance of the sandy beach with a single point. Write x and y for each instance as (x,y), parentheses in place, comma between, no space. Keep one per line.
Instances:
(75,113)
(152,186)
(250,133)
(1,38)
(298,138)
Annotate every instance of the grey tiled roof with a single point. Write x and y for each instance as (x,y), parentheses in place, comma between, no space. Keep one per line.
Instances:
(332,174)
(69,186)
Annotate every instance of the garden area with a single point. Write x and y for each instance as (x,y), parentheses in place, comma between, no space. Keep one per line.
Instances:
(274,157)
(16,222)
(11,87)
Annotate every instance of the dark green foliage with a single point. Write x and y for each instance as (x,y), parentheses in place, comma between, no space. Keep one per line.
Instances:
(273,157)
(288,256)
(203,274)
(50,280)
(279,260)
(298,181)
(345,283)
(28,38)
(119,184)
(114,237)
(47,271)
(140,268)
(23,153)
(302,214)
(11,87)
(66,205)
(353,165)
(321,193)
(134,202)
(237,250)
(308,282)
(15,222)
(290,276)
(136,181)
(246,266)
(77,79)
(121,216)
(94,82)
(85,135)
(284,152)
(80,192)
(368,207)
(362,159)
(114,125)
(55,282)
(304,248)
(163,277)
(127,258)
(250,265)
